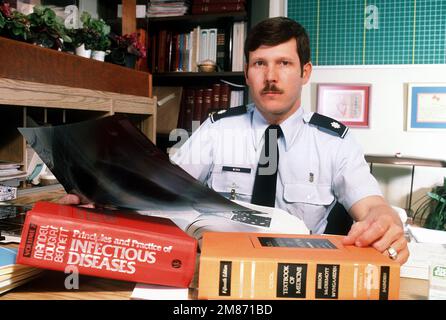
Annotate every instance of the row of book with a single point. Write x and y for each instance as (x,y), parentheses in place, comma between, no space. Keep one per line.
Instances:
(232,265)
(12,274)
(184,52)
(198,102)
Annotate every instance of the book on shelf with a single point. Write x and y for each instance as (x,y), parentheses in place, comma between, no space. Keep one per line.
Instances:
(238,38)
(215,105)
(207,104)
(12,274)
(222,49)
(225,92)
(109,244)
(237,98)
(198,104)
(278,266)
(187,109)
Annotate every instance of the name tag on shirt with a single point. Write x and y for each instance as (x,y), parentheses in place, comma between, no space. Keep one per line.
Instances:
(236,169)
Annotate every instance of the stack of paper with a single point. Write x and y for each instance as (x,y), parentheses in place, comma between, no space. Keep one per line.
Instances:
(427,235)
(421,256)
(10,173)
(167,8)
(11,274)
(425,247)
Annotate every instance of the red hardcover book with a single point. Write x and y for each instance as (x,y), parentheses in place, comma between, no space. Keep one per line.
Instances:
(217,8)
(117,245)
(188,109)
(207,103)
(162,47)
(154,53)
(198,104)
(181,119)
(216,96)
(225,94)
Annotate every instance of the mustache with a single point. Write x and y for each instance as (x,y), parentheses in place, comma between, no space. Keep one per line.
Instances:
(271,88)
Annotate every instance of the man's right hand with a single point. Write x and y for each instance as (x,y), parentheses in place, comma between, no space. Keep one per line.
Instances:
(72,199)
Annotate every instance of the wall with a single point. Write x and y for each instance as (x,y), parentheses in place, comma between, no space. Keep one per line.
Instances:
(387,134)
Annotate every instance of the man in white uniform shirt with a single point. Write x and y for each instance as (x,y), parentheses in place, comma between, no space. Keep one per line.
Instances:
(273,153)
(319,162)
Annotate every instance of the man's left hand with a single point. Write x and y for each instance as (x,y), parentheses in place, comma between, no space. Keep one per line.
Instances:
(378,226)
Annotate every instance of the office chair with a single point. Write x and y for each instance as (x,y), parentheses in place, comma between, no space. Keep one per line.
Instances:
(340,222)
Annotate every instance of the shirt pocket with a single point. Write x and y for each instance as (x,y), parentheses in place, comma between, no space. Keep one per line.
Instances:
(310,203)
(310,194)
(224,182)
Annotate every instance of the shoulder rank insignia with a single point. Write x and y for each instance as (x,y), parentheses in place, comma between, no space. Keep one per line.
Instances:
(235,111)
(329,124)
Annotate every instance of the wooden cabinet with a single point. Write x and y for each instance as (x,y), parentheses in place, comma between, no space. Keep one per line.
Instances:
(51,87)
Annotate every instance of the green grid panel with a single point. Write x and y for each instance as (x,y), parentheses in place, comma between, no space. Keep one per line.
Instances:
(430,31)
(409,31)
(307,18)
(340,39)
(392,42)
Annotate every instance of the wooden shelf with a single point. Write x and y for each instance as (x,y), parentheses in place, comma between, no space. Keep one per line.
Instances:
(24,61)
(34,79)
(200,18)
(192,78)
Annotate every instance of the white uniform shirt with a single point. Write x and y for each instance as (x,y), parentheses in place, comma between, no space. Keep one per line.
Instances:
(316,166)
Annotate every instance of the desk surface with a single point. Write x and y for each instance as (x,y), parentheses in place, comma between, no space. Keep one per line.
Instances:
(50,286)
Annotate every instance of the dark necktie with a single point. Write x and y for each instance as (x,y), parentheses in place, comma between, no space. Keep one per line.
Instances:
(264,192)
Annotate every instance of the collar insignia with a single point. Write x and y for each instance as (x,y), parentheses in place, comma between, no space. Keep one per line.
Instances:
(335,125)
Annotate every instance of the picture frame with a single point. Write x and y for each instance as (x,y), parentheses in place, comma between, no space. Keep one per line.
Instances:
(347,103)
(426,106)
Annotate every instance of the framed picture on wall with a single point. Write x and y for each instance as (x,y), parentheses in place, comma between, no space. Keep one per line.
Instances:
(426,106)
(347,103)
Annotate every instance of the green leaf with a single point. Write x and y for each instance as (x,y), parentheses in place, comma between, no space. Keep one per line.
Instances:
(436,197)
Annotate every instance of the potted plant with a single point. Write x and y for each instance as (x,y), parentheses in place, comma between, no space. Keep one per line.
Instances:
(127,49)
(47,29)
(92,36)
(14,24)
(433,209)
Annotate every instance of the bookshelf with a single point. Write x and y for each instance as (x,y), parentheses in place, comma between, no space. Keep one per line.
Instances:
(55,87)
(174,71)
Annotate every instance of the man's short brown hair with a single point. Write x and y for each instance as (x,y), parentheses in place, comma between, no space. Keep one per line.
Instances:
(274,31)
